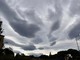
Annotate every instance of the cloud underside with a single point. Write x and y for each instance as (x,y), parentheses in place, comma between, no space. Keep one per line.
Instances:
(19,25)
(41,23)
(24,47)
(75,32)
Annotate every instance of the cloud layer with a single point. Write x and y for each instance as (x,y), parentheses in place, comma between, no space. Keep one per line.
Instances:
(40,24)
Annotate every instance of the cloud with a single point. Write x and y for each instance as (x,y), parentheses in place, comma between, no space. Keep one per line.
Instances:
(40,48)
(53,43)
(24,29)
(24,47)
(32,16)
(8,41)
(51,15)
(36,54)
(75,31)
(29,47)
(37,40)
(55,26)
(20,26)
(55,15)
(75,7)
(52,38)
(7,11)
(61,45)
(41,23)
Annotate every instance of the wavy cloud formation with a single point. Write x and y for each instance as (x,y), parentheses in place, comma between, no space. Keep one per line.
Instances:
(19,25)
(24,47)
(41,24)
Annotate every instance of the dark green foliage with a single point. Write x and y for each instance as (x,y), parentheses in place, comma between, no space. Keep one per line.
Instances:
(7,54)
(1,27)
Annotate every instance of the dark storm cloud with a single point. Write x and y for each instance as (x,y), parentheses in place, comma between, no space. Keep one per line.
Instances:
(24,47)
(29,47)
(37,40)
(24,29)
(53,43)
(8,41)
(40,48)
(7,11)
(55,26)
(75,31)
(20,26)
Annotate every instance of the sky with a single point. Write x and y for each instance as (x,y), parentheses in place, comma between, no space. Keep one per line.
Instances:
(40,26)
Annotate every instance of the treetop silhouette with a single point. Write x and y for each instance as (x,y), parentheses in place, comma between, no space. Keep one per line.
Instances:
(1,36)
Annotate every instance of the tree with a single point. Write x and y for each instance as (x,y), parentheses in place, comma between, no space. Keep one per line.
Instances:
(7,51)
(1,36)
(1,27)
(50,54)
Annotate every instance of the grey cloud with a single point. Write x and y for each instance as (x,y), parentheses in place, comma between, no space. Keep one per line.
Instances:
(57,14)
(37,40)
(58,8)
(15,51)
(36,4)
(44,47)
(55,26)
(24,29)
(59,46)
(65,2)
(29,47)
(53,43)
(51,15)
(20,26)
(75,7)
(40,48)
(8,41)
(55,17)
(28,30)
(36,54)
(32,15)
(24,47)
(52,39)
(75,31)
(7,11)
